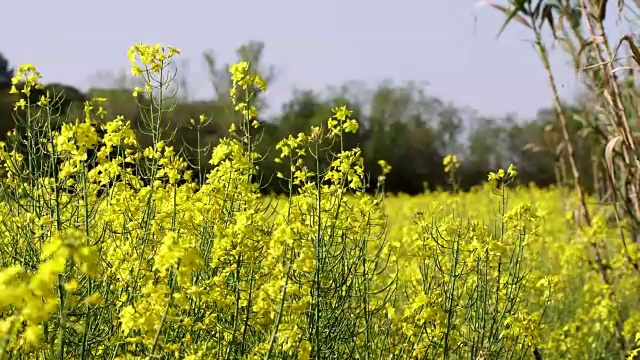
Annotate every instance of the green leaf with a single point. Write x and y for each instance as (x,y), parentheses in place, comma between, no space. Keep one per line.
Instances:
(632,46)
(512,14)
(547,14)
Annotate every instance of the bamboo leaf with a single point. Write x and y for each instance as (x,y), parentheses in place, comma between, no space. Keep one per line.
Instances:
(602,11)
(632,46)
(536,10)
(547,14)
(608,154)
(512,14)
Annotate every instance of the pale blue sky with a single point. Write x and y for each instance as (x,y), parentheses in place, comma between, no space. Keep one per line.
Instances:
(312,44)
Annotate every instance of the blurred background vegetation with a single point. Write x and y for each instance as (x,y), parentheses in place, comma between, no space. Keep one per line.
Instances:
(400,123)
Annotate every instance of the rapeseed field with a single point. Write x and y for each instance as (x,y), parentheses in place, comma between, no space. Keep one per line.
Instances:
(114,261)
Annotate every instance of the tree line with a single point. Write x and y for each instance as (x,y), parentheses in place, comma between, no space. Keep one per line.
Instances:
(399,123)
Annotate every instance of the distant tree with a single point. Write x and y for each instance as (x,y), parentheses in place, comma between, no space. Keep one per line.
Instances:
(449,128)
(6,73)
(526,149)
(304,110)
(400,129)
(220,78)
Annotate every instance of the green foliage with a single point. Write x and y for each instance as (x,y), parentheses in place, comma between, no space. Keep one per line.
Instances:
(6,73)
(401,123)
